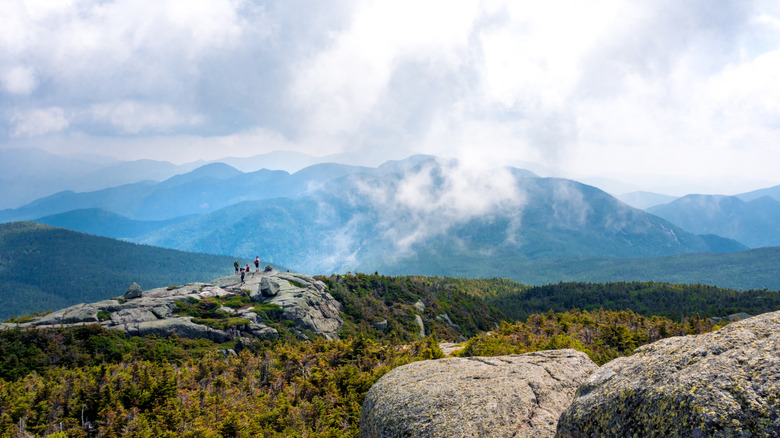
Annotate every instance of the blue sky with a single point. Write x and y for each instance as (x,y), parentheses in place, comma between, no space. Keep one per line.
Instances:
(650,92)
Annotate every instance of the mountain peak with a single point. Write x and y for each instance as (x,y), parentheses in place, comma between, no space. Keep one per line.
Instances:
(213,170)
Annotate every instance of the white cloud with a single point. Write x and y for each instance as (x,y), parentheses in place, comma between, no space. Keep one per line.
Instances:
(89,50)
(583,87)
(533,60)
(19,80)
(134,117)
(432,198)
(38,122)
(177,149)
(340,86)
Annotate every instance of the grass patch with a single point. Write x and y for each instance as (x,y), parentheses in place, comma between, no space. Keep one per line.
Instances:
(222,324)
(296,284)
(236,301)
(207,308)
(269,312)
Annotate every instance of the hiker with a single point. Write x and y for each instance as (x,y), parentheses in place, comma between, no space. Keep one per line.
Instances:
(257,263)
(242,275)
(235,265)
(247,269)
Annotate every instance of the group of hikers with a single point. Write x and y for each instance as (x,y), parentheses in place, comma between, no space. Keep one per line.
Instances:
(245,271)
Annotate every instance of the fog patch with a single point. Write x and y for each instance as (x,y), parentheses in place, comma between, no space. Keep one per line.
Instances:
(429,199)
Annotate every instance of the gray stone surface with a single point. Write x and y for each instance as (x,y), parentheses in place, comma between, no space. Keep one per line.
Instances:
(248,314)
(303,300)
(505,396)
(133,315)
(444,318)
(262,331)
(418,320)
(134,291)
(181,326)
(309,307)
(268,287)
(720,384)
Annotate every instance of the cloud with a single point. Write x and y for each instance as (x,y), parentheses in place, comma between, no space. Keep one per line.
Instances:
(606,86)
(428,200)
(38,122)
(19,80)
(83,53)
(340,86)
(134,117)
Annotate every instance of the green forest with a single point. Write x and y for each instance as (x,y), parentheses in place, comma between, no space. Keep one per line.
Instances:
(44,268)
(88,381)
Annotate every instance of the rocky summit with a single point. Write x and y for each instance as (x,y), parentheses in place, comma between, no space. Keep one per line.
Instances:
(720,384)
(294,297)
(506,396)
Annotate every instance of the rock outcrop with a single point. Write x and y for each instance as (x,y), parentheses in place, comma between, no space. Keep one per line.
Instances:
(300,298)
(418,320)
(720,384)
(134,291)
(506,396)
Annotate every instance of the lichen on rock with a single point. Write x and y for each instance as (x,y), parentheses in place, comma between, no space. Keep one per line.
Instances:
(720,384)
(505,396)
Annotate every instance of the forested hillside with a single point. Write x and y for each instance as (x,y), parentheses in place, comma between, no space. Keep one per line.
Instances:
(45,268)
(90,382)
(673,301)
(752,269)
(87,381)
(480,303)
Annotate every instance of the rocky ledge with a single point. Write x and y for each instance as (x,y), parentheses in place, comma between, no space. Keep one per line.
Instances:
(291,297)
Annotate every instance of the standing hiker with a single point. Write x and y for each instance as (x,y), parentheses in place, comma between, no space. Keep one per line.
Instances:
(235,265)
(257,263)
(242,275)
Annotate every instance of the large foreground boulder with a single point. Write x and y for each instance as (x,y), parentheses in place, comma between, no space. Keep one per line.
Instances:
(720,384)
(506,396)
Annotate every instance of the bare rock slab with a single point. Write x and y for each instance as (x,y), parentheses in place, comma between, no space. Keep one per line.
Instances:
(720,384)
(506,396)
(303,300)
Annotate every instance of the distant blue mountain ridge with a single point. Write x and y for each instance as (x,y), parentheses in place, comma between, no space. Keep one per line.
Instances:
(200,191)
(753,219)
(333,217)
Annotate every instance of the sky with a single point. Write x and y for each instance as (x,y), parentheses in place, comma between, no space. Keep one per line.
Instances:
(655,93)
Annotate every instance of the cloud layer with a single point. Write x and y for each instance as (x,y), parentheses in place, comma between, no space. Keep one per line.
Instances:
(601,87)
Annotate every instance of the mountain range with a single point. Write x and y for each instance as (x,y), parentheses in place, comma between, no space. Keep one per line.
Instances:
(422,214)
(27,174)
(202,190)
(754,222)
